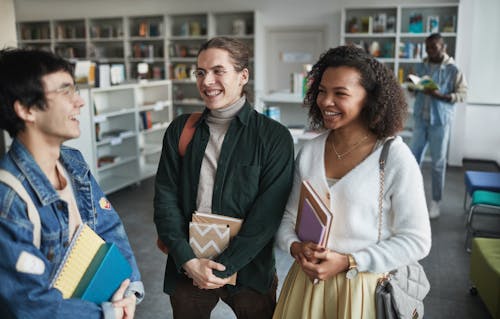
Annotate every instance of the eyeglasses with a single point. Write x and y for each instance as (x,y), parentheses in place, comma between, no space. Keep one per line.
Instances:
(218,72)
(68,90)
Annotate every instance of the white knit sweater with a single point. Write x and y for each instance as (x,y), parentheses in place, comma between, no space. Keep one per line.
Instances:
(406,234)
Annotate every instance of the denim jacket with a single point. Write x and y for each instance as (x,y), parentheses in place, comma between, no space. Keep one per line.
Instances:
(25,271)
(450,81)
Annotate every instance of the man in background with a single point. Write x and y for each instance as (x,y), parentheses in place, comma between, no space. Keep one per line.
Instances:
(433,112)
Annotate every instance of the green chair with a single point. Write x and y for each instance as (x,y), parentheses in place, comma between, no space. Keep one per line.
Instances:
(485,272)
(482,203)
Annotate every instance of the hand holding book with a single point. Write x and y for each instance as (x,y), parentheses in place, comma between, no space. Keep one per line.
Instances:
(424,83)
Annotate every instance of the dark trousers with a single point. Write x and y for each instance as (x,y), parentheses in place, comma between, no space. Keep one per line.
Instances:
(189,301)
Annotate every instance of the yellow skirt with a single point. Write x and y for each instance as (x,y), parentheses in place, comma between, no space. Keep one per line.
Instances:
(335,298)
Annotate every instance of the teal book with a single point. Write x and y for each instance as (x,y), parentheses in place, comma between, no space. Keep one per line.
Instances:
(108,269)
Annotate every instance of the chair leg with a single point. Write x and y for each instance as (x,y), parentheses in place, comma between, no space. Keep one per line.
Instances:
(469,231)
(465,200)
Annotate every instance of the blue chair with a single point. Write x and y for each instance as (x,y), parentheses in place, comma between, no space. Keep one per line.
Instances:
(478,180)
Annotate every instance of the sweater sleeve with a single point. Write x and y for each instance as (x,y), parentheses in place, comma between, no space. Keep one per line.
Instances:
(406,233)
(460,93)
(286,232)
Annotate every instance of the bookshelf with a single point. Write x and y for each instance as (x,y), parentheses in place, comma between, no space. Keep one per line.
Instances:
(126,125)
(186,33)
(147,45)
(396,36)
(163,46)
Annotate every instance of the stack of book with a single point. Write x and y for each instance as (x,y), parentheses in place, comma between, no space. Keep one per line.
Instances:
(314,218)
(209,235)
(91,270)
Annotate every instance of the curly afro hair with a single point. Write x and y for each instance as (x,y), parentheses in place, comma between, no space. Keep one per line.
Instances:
(386,108)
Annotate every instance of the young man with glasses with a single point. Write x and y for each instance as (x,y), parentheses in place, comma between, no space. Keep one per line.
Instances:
(39,108)
(239,163)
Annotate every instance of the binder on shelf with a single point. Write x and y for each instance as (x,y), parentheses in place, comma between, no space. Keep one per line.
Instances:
(91,269)
(314,218)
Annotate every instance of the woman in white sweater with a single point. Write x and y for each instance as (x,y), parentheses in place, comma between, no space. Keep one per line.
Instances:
(358,102)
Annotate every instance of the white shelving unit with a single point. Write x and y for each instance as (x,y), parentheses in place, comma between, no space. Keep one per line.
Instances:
(396,34)
(399,33)
(186,33)
(167,43)
(127,124)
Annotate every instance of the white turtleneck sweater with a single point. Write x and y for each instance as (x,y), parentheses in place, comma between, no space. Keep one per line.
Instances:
(218,122)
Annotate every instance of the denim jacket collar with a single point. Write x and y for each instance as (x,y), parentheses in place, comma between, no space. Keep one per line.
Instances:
(36,178)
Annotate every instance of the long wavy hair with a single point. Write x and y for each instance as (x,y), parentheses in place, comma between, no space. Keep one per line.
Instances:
(386,108)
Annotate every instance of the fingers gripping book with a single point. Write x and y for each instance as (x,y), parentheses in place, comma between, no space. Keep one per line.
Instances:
(210,234)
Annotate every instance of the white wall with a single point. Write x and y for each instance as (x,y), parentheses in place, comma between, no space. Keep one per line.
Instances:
(7,24)
(474,133)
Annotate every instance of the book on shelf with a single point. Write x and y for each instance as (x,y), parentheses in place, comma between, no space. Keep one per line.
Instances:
(416,24)
(380,23)
(147,121)
(449,23)
(366,24)
(433,24)
(91,269)
(422,83)
(210,234)
(314,218)
(391,24)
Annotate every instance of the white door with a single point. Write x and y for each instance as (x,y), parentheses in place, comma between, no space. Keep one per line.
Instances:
(287,50)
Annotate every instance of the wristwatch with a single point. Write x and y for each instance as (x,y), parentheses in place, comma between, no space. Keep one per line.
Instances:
(353,267)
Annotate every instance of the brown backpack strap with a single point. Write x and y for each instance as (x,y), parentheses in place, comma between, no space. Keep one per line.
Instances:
(188,132)
(186,137)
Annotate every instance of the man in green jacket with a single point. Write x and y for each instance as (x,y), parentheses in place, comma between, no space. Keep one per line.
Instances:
(239,163)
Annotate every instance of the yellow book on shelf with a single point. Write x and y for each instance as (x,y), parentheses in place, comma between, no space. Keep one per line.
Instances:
(81,251)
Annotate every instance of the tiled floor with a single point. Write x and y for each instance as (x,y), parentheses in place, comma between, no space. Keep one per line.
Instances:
(447,265)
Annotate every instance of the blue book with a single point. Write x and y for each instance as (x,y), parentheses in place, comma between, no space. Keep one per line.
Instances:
(108,269)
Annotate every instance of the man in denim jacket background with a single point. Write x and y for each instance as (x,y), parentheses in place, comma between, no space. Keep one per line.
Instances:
(39,108)
(433,112)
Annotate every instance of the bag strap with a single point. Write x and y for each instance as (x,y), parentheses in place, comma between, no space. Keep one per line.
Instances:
(186,137)
(381,162)
(10,180)
(188,132)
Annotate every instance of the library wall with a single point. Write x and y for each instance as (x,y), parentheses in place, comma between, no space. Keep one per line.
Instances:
(465,135)
(7,24)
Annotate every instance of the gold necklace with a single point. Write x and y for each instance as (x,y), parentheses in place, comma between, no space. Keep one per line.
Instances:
(355,146)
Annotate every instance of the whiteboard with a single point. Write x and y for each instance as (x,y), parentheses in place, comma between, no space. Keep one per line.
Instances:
(484,82)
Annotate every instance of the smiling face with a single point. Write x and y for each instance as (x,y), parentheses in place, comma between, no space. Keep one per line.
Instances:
(341,97)
(58,122)
(219,84)
(435,49)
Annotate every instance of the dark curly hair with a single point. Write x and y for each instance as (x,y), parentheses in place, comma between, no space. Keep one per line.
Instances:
(386,107)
